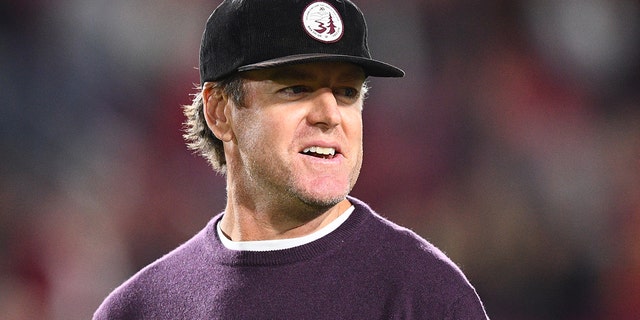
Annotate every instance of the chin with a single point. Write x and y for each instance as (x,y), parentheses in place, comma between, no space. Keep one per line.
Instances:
(323,200)
(323,193)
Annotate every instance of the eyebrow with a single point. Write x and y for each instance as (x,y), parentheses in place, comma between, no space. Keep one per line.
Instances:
(295,74)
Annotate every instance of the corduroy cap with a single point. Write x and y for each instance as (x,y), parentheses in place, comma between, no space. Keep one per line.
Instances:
(243,35)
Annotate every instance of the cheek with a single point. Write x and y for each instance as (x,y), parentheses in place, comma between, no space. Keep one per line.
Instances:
(353,126)
(262,131)
(248,130)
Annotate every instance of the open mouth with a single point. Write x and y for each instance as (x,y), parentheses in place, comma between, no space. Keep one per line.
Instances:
(320,152)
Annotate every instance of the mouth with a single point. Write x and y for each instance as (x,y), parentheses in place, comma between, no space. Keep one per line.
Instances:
(320,152)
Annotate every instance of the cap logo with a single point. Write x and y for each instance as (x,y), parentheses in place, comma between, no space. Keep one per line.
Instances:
(322,22)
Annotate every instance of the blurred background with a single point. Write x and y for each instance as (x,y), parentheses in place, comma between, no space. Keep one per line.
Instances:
(513,144)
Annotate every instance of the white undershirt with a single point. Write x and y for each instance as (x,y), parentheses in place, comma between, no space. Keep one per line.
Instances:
(280,244)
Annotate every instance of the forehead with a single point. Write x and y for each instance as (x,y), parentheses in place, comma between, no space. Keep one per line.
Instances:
(317,71)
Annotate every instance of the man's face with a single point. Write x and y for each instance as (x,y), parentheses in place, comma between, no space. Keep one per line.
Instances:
(299,136)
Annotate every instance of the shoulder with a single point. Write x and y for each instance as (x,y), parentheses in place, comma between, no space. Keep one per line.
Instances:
(418,267)
(143,294)
(414,254)
(399,241)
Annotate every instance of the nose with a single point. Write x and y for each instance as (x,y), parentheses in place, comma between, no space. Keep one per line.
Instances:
(325,112)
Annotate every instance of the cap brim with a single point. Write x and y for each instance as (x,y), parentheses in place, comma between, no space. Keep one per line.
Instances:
(373,68)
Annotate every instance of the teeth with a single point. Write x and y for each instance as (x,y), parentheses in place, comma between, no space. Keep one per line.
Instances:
(320,150)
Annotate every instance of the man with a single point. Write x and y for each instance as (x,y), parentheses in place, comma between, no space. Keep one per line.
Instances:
(279,113)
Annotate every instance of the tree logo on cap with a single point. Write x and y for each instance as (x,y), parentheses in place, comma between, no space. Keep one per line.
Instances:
(322,22)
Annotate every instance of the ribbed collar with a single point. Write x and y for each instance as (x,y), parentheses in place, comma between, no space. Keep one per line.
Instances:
(323,246)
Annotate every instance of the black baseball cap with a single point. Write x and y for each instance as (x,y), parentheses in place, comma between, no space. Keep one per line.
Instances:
(243,35)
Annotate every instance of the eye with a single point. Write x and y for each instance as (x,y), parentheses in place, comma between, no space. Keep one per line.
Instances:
(351,92)
(294,90)
(347,93)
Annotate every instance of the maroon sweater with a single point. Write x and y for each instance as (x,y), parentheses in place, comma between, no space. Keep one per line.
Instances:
(368,268)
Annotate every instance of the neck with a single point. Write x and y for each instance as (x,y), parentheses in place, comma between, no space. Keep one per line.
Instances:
(248,220)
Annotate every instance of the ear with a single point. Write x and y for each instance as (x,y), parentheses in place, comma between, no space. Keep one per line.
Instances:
(215,104)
